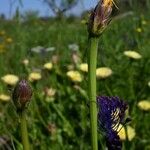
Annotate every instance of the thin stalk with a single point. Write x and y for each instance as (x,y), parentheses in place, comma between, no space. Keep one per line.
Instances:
(92,61)
(24,132)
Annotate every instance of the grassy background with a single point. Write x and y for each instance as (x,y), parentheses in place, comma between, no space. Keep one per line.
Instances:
(64,123)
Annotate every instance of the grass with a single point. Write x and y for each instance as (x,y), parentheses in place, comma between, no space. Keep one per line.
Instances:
(64,123)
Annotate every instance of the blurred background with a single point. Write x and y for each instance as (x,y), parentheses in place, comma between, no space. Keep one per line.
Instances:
(46,42)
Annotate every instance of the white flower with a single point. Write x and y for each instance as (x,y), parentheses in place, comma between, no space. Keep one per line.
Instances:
(73,47)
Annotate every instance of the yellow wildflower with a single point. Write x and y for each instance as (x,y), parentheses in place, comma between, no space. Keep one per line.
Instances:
(74,76)
(103,72)
(132,54)
(48,66)
(34,76)
(10,79)
(84,67)
(2,48)
(9,40)
(2,32)
(4,97)
(25,62)
(130,133)
(139,30)
(144,105)
(144,22)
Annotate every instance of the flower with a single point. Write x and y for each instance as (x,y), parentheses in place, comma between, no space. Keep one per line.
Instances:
(139,30)
(74,76)
(37,49)
(100,17)
(144,105)
(25,62)
(149,83)
(103,72)
(111,114)
(132,54)
(10,79)
(34,76)
(48,66)
(9,40)
(50,49)
(144,22)
(4,97)
(122,133)
(84,67)
(22,94)
(2,32)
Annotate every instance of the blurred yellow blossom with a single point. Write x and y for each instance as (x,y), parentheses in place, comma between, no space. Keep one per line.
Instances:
(25,62)
(48,66)
(144,105)
(103,72)
(2,48)
(130,132)
(34,76)
(4,97)
(84,67)
(144,22)
(9,40)
(132,54)
(10,79)
(139,30)
(2,32)
(74,76)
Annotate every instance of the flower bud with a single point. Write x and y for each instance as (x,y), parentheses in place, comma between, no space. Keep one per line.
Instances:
(21,95)
(100,17)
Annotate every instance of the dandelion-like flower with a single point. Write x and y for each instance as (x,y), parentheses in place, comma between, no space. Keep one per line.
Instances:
(110,115)
(75,76)
(34,76)
(84,67)
(103,72)
(4,97)
(144,105)
(132,54)
(10,79)
(48,66)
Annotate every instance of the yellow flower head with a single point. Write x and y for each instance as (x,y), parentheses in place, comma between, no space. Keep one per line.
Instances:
(144,105)
(144,22)
(139,30)
(84,67)
(103,72)
(2,32)
(132,54)
(34,76)
(107,3)
(10,79)
(130,133)
(74,76)
(4,97)
(9,40)
(25,62)
(48,66)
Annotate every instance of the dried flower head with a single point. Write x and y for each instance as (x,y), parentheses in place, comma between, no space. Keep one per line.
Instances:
(132,54)
(100,17)
(110,115)
(21,95)
(10,79)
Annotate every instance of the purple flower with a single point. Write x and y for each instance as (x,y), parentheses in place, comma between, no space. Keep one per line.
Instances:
(111,113)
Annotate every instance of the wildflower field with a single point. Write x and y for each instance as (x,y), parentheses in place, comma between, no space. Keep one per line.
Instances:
(52,56)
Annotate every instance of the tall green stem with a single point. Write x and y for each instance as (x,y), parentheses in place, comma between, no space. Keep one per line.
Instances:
(92,61)
(24,132)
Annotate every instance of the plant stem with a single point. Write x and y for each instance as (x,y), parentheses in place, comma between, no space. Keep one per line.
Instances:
(92,61)
(24,132)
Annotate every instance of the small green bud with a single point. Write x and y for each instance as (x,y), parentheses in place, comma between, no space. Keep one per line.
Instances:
(100,17)
(22,95)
